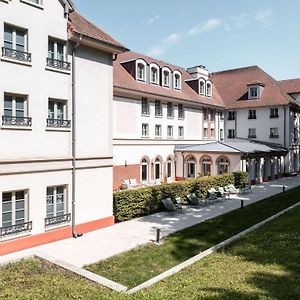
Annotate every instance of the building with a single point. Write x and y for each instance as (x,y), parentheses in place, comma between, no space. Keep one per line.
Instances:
(50,179)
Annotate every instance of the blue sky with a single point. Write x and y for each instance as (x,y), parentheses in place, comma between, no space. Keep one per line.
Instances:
(220,34)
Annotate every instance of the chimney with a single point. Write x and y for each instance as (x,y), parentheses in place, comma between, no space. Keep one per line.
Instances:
(198,71)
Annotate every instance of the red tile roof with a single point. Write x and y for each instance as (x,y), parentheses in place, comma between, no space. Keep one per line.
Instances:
(122,79)
(81,25)
(290,85)
(232,87)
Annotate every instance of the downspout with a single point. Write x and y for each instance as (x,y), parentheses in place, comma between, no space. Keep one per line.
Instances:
(284,135)
(74,233)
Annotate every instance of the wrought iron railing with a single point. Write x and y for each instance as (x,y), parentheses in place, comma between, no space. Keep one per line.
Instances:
(58,64)
(52,221)
(58,123)
(15,229)
(16,121)
(15,54)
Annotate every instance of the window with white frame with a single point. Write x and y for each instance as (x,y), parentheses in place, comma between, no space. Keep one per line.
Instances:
(158,108)
(205,114)
(252,114)
(253,92)
(154,75)
(180,111)
(157,168)
(145,107)
(56,201)
(170,131)
(57,114)
(145,130)
(212,133)
(208,89)
(274,112)
(170,110)
(141,72)
(57,54)
(231,133)
(252,133)
(166,78)
(158,130)
(191,168)
(205,132)
(144,170)
(169,167)
(180,132)
(206,164)
(14,208)
(177,80)
(223,165)
(274,132)
(202,87)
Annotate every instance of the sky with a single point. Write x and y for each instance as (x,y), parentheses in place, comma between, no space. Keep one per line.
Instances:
(219,34)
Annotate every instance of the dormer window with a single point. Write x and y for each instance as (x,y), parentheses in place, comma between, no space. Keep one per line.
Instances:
(253,92)
(208,89)
(177,80)
(202,88)
(154,73)
(141,72)
(166,77)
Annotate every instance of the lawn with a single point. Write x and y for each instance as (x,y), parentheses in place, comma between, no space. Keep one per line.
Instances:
(262,265)
(140,264)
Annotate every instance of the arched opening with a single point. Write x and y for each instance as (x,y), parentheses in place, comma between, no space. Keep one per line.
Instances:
(208,90)
(169,167)
(202,88)
(223,164)
(157,168)
(205,164)
(191,167)
(144,170)
(141,71)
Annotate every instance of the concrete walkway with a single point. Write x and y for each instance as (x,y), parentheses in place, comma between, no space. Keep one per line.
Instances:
(104,243)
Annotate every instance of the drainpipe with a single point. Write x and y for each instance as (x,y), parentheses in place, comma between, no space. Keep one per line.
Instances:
(183,167)
(284,135)
(74,233)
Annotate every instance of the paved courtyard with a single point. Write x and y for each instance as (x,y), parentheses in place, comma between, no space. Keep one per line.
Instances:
(103,243)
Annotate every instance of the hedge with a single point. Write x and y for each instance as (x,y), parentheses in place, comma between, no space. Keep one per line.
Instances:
(240,179)
(132,204)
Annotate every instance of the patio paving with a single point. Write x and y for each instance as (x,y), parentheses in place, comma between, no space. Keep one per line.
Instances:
(104,243)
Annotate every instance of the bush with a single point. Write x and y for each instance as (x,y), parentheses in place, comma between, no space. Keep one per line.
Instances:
(240,179)
(132,204)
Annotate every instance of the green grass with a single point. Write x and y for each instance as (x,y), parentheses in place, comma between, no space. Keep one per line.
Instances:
(140,264)
(262,265)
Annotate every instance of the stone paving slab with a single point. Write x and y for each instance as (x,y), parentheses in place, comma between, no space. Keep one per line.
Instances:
(107,242)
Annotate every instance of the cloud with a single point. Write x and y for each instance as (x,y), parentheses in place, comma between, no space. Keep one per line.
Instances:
(263,17)
(204,27)
(151,20)
(240,21)
(173,38)
(156,51)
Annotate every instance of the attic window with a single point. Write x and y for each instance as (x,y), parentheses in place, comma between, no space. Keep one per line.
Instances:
(141,72)
(253,92)
(154,75)
(208,90)
(202,88)
(177,80)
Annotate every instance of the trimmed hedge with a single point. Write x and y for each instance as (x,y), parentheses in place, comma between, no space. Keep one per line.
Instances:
(132,204)
(240,179)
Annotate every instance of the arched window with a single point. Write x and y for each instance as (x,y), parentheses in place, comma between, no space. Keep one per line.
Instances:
(157,168)
(166,77)
(169,167)
(154,73)
(141,72)
(191,168)
(206,163)
(208,89)
(177,80)
(223,165)
(144,170)
(202,87)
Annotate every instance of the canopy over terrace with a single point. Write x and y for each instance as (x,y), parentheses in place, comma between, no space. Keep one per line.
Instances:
(261,160)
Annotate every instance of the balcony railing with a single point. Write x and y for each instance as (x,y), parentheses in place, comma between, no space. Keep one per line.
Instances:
(274,116)
(17,55)
(252,136)
(274,136)
(15,229)
(16,121)
(231,136)
(52,221)
(58,64)
(58,123)
(251,117)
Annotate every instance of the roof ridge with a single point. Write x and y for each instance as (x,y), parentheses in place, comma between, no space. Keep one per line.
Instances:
(290,79)
(235,69)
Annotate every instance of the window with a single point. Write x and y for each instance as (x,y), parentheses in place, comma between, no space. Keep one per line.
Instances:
(274,133)
(212,133)
(205,132)
(141,72)
(56,205)
(221,115)
(145,130)
(253,92)
(158,130)
(181,132)
(169,167)
(212,116)
(57,55)
(208,89)
(170,110)
(205,114)
(274,113)
(158,108)
(202,88)
(57,114)
(157,168)
(145,106)
(231,115)
(177,80)
(166,78)
(180,112)
(252,133)
(170,131)
(154,75)
(144,170)
(223,165)
(15,111)
(206,166)
(252,114)
(15,44)
(191,168)
(231,133)
(221,134)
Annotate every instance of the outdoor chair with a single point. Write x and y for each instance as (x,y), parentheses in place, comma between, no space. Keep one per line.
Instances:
(133,183)
(233,189)
(217,193)
(170,206)
(212,197)
(125,184)
(223,192)
(193,200)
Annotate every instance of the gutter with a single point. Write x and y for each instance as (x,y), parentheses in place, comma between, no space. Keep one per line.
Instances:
(74,233)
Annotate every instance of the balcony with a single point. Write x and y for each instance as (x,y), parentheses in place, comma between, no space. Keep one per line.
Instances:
(58,123)
(58,64)
(15,229)
(16,121)
(58,220)
(274,136)
(16,55)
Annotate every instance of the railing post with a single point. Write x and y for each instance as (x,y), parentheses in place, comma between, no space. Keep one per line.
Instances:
(157,235)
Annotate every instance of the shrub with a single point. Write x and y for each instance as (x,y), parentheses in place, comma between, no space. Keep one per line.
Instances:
(132,204)
(240,179)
